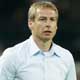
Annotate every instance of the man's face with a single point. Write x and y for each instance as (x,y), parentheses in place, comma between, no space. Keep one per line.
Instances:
(44,25)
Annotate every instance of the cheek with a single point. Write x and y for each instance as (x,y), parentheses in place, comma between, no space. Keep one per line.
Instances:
(55,26)
(54,29)
(40,27)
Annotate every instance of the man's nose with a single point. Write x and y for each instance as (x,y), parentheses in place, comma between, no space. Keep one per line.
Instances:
(48,24)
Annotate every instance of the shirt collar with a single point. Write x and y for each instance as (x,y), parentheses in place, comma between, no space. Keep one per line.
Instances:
(53,50)
(56,50)
(34,49)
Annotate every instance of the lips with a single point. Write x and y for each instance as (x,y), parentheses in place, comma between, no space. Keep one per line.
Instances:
(47,32)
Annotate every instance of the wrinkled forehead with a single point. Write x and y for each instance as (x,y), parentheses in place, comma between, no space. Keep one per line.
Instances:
(46,12)
(47,7)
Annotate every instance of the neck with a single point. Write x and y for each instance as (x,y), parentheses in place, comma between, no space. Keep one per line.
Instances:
(43,45)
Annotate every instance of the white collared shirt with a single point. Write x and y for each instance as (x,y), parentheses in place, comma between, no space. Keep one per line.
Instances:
(26,61)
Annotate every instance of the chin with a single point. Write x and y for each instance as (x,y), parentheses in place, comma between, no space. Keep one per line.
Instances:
(47,38)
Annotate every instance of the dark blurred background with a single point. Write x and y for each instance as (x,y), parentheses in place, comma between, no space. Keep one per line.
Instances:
(14,29)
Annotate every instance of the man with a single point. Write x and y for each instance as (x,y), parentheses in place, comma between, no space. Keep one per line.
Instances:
(39,58)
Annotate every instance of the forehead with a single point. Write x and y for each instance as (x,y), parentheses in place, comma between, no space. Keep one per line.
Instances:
(46,12)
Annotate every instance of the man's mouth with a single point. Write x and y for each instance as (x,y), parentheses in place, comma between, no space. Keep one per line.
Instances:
(47,32)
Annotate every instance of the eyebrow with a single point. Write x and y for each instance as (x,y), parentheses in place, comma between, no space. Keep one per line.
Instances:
(55,17)
(45,17)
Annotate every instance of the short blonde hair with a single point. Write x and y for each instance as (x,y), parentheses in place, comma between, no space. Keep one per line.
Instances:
(39,5)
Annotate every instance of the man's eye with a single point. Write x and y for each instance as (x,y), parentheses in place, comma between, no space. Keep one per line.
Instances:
(52,19)
(42,19)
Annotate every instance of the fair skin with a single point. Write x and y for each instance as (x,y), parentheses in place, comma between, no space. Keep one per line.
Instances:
(44,27)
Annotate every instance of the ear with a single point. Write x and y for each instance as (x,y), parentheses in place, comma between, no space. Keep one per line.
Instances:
(30,24)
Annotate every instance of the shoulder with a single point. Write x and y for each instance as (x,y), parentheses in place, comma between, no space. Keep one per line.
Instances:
(16,48)
(14,53)
(62,51)
(14,56)
(65,55)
